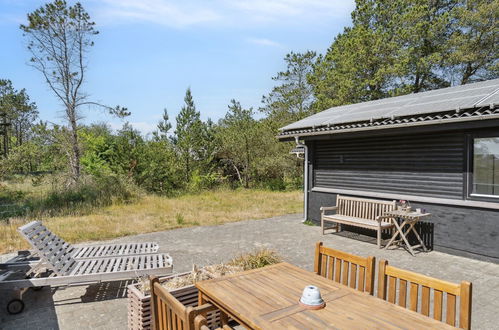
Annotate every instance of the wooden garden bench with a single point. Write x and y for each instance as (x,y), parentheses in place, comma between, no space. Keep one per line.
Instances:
(358,212)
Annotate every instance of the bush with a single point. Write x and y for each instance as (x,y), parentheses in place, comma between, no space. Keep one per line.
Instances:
(200,182)
(57,198)
(89,193)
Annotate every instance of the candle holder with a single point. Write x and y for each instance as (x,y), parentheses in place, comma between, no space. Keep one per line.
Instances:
(311,298)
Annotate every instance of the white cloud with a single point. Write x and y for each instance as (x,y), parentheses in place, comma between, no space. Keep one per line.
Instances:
(275,10)
(264,42)
(161,12)
(186,13)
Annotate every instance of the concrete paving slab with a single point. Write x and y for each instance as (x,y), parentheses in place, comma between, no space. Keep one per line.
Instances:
(103,306)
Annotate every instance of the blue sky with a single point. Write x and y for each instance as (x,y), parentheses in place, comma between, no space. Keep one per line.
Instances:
(149,51)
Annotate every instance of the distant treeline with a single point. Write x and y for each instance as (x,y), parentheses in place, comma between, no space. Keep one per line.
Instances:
(391,48)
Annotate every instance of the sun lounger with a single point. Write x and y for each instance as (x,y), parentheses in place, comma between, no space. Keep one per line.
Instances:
(38,235)
(63,269)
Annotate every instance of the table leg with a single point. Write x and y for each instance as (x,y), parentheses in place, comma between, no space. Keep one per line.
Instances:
(409,247)
(395,234)
(224,318)
(201,300)
(419,239)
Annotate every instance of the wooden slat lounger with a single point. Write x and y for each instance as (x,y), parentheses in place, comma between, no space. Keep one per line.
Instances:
(65,270)
(40,238)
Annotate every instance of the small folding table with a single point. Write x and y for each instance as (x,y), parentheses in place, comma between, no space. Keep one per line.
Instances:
(410,218)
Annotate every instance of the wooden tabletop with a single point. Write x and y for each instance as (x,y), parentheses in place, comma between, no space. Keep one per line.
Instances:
(405,214)
(267,298)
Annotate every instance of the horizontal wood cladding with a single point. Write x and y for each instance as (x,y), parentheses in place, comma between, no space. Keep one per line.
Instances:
(424,165)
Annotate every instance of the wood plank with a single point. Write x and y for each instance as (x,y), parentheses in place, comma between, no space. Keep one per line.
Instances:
(450,317)
(344,255)
(414,297)
(437,304)
(353,275)
(330,272)
(317,258)
(392,289)
(423,280)
(268,299)
(344,273)
(425,300)
(323,265)
(362,284)
(402,293)
(337,266)
(465,305)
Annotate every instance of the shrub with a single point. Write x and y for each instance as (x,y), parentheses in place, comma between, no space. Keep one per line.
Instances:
(180,219)
(58,198)
(257,259)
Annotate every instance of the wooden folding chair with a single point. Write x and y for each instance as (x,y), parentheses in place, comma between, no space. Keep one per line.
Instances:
(345,268)
(393,282)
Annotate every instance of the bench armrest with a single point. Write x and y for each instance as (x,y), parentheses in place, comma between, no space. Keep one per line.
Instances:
(328,208)
(380,218)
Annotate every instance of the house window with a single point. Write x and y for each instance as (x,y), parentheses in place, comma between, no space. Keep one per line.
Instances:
(485,180)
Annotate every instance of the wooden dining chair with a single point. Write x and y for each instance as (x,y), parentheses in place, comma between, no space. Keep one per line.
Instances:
(345,268)
(168,313)
(403,287)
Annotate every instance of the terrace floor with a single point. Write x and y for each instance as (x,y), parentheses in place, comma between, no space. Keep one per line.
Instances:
(104,306)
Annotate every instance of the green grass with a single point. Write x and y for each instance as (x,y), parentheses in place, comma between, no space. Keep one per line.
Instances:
(308,223)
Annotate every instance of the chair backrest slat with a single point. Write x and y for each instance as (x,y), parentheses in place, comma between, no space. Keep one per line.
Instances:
(345,268)
(168,313)
(420,294)
(52,248)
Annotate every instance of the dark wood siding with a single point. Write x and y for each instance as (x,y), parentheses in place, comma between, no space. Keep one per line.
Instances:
(422,165)
(470,232)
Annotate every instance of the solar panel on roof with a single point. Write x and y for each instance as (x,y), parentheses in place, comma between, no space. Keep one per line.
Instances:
(458,97)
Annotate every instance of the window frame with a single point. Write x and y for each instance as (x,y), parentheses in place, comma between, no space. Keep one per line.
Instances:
(469,171)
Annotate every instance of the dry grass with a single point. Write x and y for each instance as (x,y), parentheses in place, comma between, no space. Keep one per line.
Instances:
(257,259)
(246,261)
(155,213)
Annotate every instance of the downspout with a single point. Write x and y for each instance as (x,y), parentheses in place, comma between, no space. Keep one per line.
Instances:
(305,178)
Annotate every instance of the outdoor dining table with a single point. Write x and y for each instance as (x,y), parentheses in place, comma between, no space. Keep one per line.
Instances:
(409,219)
(268,298)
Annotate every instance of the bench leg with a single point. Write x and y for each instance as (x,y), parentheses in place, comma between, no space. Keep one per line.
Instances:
(335,226)
(379,237)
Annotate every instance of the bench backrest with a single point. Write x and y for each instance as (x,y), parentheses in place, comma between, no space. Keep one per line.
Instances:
(363,208)
(403,287)
(51,248)
(345,268)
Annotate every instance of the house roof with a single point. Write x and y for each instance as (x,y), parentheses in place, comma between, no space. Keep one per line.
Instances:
(460,103)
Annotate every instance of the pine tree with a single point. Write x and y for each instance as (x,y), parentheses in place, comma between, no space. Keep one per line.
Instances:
(164,126)
(188,136)
(291,100)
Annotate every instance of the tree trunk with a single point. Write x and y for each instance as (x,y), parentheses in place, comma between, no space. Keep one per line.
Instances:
(246,173)
(468,72)
(75,147)
(238,173)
